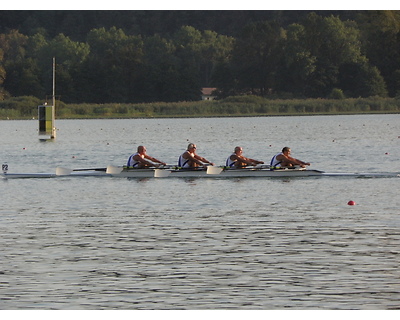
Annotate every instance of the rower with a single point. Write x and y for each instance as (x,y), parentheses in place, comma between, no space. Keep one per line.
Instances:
(138,160)
(284,160)
(190,159)
(237,160)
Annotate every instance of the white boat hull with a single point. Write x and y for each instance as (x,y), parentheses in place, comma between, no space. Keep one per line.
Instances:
(229,173)
(28,175)
(53,175)
(216,172)
(161,173)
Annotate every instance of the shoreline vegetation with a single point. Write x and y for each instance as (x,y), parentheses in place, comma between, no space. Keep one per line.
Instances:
(21,108)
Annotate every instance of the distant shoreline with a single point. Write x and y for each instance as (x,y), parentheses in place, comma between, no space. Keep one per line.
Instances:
(23,108)
(216,116)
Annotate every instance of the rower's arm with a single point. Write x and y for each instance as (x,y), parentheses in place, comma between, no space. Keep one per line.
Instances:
(255,161)
(196,159)
(299,162)
(203,160)
(245,160)
(144,162)
(154,159)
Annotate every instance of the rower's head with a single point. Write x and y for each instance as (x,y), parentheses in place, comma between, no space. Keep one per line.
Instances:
(141,149)
(191,147)
(286,150)
(238,150)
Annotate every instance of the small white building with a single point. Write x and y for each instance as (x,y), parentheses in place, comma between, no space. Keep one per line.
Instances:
(207,93)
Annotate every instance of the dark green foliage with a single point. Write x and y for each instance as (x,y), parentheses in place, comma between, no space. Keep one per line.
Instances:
(167,56)
(20,107)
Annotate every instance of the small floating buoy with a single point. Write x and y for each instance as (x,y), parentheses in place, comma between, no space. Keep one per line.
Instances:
(351,203)
(23,148)
(386,152)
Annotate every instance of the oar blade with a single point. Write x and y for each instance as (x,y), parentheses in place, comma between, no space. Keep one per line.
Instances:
(214,170)
(161,173)
(113,169)
(63,171)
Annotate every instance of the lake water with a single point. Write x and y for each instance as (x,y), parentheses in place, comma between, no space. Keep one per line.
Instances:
(112,243)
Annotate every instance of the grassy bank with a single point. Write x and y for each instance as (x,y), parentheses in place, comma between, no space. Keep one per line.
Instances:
(26,108)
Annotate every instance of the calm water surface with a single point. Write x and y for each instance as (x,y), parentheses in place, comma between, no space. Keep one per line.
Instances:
(110,243)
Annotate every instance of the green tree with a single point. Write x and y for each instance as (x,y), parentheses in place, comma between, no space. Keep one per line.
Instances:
(299,63)
(113,67)
(161,77)
(333,43)
(381,42)
(360,79)
(22,78)
(257,57)
(3,93)
(216,49)
(198,53)
(35,43)
(69,57)
(188,42)
(13,45)
(21,71)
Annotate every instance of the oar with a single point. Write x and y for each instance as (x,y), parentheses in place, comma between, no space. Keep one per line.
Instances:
(113,169)
(66,171)
(214,170)
(262,166)
(91,169)
(161,173)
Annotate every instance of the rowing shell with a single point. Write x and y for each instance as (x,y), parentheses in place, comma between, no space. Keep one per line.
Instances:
(223,172)
(52,175)
(209,172)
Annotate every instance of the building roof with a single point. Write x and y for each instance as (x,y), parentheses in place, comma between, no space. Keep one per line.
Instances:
(207,91)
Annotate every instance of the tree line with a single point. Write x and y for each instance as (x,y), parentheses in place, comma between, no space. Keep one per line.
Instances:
(315,56)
